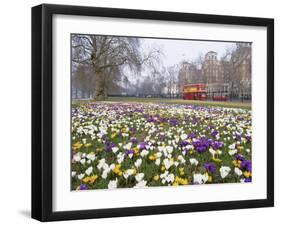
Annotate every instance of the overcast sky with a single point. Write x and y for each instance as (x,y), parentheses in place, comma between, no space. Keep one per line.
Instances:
(177,50)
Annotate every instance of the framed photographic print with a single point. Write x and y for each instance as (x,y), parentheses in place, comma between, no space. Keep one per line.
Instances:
(146,112)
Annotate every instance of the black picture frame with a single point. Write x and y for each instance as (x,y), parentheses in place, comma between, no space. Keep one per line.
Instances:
(42,107)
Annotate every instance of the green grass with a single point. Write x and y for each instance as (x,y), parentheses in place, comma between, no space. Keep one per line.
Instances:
(229,104)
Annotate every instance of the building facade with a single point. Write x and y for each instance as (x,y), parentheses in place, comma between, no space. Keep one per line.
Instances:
(229,76)
(214,73)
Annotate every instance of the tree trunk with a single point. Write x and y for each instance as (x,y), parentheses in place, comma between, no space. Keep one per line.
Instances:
(100,89)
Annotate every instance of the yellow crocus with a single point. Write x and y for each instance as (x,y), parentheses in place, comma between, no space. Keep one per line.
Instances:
(156,177)
(77,146)
(247,174)
(152,157)
(90,179)
(182,181)
(87,145)
(181,170)
(117,169)
(113,135)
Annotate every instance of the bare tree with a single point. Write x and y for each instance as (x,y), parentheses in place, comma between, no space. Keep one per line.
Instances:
(172,80)
(108,55)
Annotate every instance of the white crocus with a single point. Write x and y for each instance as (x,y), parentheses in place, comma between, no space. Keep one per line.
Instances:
(120,157)
(141,184)
(139,177)
(128,146)
(183,136)
(77,157)
(170,178)
(169,149)
(238,171)
(167,178)
(193,161)
(224,171)
(112,166)
(73,173)
(212,151)
(181,159)
(200,178)
(157,162)
(158,154)
(112,184)
(144,153)
(89,170)
(81,176)
(91,156)
(105,173)
(82,161)
(167,163)
(189,147)
(114,149)
(101,164)
(138,162)
(128,173)
(232,151)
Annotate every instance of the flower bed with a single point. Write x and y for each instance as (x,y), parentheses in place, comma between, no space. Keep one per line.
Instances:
(125,145)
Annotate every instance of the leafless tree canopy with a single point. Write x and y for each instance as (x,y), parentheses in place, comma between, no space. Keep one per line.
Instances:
(105,58)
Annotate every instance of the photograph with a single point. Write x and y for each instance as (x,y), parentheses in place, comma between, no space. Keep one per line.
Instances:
(151,112)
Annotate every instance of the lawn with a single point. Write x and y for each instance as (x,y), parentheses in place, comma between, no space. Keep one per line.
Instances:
(234,104)
(158,142)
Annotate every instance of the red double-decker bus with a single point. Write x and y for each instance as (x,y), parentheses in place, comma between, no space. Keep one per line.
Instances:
(195,92)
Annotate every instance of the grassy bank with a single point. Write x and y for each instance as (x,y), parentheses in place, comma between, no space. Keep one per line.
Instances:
(244,105)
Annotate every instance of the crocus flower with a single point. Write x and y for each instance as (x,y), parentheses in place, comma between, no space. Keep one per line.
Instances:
(246,164)
(112,184)
(224,171)
(200,178)
(210,167)
(83,187)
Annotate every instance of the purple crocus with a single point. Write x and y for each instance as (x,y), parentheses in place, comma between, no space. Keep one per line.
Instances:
(142,145)
(201,145)
(210,167)
(246,164)
(217,145)
(214,133)
(173,122)
(247,180)
(134,140)
(237,137)
(248,138)
(151,120)
(128,152)
(240,157)
(83,187)
(191,135)
(183,143)
(108,145)
(163,119)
